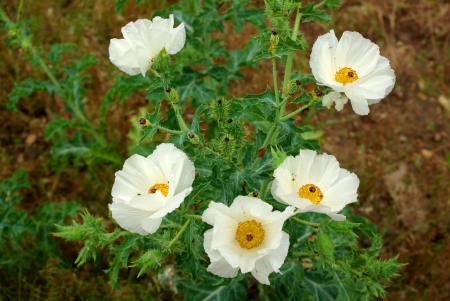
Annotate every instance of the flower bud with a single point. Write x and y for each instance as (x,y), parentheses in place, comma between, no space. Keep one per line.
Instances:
(319,93)
(193,138)
(172,95)
(162,61)
(144,122)
(294,86)
(274,39)
(255,194)
(237,130)
(220,109)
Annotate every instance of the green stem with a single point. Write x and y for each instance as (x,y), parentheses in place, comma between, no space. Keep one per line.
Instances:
(180,232)
(263,190)
(315,225)
(320,4)
(19,11)
(164,129)
(265,144)
(290,58)
(275,82)
(186,215)
(295,112)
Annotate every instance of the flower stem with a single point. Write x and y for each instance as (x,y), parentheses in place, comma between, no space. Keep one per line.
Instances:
(290,57)
(265,144)
(314,225)
(295,112)
(180,232)
(186,215)
(275,82)
(164,129)
(263,189)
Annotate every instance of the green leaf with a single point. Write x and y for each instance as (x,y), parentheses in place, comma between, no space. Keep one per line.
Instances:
(55,52)
(154,119)
(325,248)
(317,286)
(118,7)
(149,259)
(344,227)
(310,14)
(268,97)
(121,252)
(332,4)
(26,88)
(265,54)
(207,292)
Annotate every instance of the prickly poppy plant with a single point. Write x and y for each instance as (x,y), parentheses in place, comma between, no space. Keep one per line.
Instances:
(225,195)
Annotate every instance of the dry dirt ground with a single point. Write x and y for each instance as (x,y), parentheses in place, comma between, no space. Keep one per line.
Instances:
(401,151)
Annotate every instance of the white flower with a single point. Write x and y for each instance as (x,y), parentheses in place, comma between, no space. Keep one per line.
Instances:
(335,97)
(314,183)
(353,66)
(148,188)
(143,41)
(248,236)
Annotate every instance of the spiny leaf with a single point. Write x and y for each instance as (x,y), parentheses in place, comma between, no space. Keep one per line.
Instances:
(311,14)
(149,259)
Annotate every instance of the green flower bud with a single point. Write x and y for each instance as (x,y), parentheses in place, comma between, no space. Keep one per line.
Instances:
(220,109)
(162,61)
(295,85)
(144,122)
(226,145)
(278,156)
(237,130)
(172,95)
(193,138)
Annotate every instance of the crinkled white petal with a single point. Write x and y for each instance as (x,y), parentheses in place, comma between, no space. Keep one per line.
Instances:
(225,253)
(142,42)
(129,218)
(335,97)
(121,54)
(219,266)
(325,210)
(177,39)
(133,207)
(338,186)
(356,95)
(272,262)
(376,78)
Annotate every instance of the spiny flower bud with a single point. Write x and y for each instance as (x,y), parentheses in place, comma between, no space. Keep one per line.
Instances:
(172,95)
(294,86)
(193,138)
(144,122)
(274,39)
(319,93)
(162,61)
(220,109)
(225,146)
(237,130)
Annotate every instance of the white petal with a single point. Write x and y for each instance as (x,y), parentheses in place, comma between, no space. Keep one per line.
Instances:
(324,171)
(121,54)
(144,58)
(356,52)
(272,261)
(343,192)
(177,39)
(219,210)
(357,99)
(224,233)
(306,160)
(250,206)
(219,266)
(128,217)
(134,32)
(340,103)
(151,225)
(172,203)
(322,61)
(148,202)
(325,210)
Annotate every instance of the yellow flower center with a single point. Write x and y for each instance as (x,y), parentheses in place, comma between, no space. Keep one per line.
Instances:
(161,187)
(346,76)
(249,234)
(311,192)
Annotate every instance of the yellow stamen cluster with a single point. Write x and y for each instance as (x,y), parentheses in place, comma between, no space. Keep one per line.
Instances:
(311,192)
(346,76)
(161,187)
(249,234)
